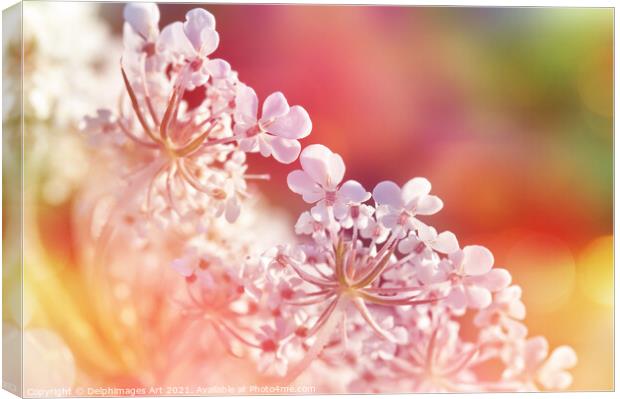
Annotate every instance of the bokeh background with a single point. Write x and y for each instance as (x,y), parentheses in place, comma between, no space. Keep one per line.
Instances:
(507,111)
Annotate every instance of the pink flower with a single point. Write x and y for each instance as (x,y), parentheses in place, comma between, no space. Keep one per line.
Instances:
(403,205)
(552,373)
(531,364)
(276,132)
(375,231)
(377,347)
(316,225)
(102,128)
(274,347)
(428,239)
(285,290)
(472,278)
(280,258)
(358,216)
(196,268)
(505,310)
(191,42)
(143,18)
(319,181)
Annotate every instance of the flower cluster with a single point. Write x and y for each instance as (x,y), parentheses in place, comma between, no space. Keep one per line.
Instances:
(187,159)
(372,269)
(370,287)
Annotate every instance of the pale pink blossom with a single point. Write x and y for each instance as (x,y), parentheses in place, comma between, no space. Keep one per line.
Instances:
(277,131)
(405,203)
(143,18)
(274,347)
(358,216)
(191,42)
(533,365)
(506,310)
(375,231)
(102,128)
(473,278)
(428,239)
(320,178)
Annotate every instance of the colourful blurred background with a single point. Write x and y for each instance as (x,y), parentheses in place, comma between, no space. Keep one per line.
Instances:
(508,112)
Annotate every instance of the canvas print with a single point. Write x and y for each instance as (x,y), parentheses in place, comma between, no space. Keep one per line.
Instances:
(206,199)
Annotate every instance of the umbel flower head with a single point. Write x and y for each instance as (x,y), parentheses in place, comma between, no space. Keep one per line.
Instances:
(189,160)
(369,287)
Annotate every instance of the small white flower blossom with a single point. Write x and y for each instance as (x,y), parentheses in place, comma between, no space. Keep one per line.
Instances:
(427,239)
(403,205)
(473,279)
(191,42)
(277,131)
(375,231)
(319,181)
(531,365)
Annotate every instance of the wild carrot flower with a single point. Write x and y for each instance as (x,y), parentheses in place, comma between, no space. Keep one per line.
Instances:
(370,286)
(190,164)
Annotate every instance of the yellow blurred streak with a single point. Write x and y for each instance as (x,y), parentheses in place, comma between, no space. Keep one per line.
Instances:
(544,266)
(596,271)
(61,305)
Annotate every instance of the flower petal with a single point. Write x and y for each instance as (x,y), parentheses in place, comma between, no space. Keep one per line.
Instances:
(477,260)
(427,233)
(183,266)
(246,105)
(322,165)
(387,193)
(143,18)
(515,329)
(295,124)
(563,357)
(264,144)
(284,150)
(218,68)
(274,106)
(232,210)
(416,188)
(301,183)
(407,245)
(173,39)
(556,381)
(552,375)
(536,350)
(510,294)
(249,144)
(197,21)
(446,243)
(495,280)
(516,310)
(389,220)
(428,205)
(209,40)
(478,297)
(353,191)
(456,298)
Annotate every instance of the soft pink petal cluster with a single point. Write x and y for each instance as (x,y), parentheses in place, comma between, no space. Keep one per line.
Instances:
(187,159)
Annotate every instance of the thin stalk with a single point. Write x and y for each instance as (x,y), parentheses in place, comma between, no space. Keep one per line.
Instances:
(376,271)
(136,107)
